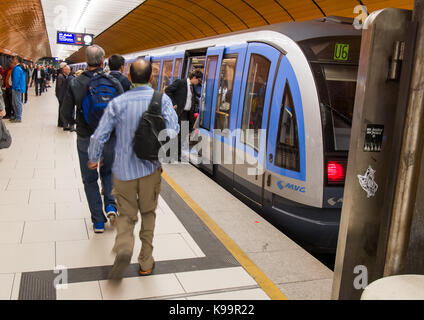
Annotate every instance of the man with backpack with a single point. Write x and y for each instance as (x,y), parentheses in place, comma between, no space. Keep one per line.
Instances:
(90,93)
(117,65)
(136,182)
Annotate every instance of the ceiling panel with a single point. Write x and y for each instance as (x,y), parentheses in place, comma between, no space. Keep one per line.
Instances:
(22,29)
(158,23)
(123,26)
(84,16)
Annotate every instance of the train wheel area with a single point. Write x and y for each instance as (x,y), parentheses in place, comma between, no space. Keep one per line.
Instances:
(207,245)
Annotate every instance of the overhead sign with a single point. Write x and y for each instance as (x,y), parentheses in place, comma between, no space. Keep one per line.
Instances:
(75,39)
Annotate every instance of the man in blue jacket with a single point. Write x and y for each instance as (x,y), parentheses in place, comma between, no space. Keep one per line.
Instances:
(18,87)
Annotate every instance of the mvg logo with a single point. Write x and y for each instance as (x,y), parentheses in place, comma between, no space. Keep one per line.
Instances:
(282,185)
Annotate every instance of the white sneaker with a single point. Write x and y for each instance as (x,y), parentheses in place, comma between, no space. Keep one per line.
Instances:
(111,214)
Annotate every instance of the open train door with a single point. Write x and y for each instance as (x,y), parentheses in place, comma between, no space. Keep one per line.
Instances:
(202,153)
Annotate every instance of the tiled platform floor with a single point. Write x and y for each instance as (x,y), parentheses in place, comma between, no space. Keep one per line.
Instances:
(45,223)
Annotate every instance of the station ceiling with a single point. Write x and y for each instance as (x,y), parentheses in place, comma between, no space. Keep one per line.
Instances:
(23,29)
(157,23)
(154,23)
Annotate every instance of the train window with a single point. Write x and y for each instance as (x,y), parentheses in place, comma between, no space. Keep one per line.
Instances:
(127,70)
(341,85)
(287,148)
(177,68)
(166,74)
(254,100)
(196,63)
(155,72)
(207,93)
(225,93)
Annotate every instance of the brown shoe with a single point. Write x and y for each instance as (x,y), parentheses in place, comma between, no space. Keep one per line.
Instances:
(121,263)
(148,272)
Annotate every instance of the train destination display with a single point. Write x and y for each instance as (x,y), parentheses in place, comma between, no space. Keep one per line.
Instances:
(75,39)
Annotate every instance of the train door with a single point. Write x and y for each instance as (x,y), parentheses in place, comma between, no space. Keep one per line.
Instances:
(228,95)
(207,101)
(127,69)
(166,73)
(177,68)
(286,156)
(256,93)
(195,60)
(156,68)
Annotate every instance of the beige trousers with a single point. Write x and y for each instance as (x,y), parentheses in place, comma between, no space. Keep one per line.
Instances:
(131,197)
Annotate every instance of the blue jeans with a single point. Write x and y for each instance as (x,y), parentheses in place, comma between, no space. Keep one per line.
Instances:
(17,103)
(90,178)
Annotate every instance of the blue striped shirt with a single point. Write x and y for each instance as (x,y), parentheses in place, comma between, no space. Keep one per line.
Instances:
(123,114)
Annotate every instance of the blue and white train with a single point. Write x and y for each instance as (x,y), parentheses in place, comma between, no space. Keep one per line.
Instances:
(293,85)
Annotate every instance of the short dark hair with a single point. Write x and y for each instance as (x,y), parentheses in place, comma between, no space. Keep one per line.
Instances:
(116,62)
(20,60)
(196,74)
(141,74)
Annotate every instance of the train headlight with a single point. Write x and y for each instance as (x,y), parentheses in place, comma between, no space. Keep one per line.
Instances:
(335,172)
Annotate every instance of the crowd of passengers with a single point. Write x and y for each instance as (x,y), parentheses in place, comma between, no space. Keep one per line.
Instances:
(16,79)
(105,144)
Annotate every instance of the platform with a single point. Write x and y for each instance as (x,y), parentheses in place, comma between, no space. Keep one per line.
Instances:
(207,245)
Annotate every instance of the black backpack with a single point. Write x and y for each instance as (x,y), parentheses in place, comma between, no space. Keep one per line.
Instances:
(146,142)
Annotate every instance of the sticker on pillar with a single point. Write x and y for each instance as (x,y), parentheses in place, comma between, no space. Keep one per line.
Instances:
(373,138)
(367,182)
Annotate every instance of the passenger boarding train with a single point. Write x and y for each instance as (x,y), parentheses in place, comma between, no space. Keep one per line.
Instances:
(293,84)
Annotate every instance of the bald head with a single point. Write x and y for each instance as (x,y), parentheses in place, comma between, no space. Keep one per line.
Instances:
(67,70)
(141,71)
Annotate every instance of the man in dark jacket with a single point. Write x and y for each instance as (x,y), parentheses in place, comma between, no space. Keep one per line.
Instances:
(117,65)
(77,91)
(61,88)
(27,79)
(10,113)
(38,77)
(69,79)
(182,95)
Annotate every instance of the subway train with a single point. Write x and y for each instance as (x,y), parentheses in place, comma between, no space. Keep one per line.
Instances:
(275,117)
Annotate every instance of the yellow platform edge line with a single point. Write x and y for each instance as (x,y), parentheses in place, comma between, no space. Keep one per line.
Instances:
(263,281)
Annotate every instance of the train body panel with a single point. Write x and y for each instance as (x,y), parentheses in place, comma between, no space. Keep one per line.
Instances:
(264,130)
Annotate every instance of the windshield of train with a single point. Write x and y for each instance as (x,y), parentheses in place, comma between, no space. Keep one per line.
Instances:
(341,86)
(335,62)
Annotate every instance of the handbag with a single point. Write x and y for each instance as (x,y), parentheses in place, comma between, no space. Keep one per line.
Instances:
(5,137)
